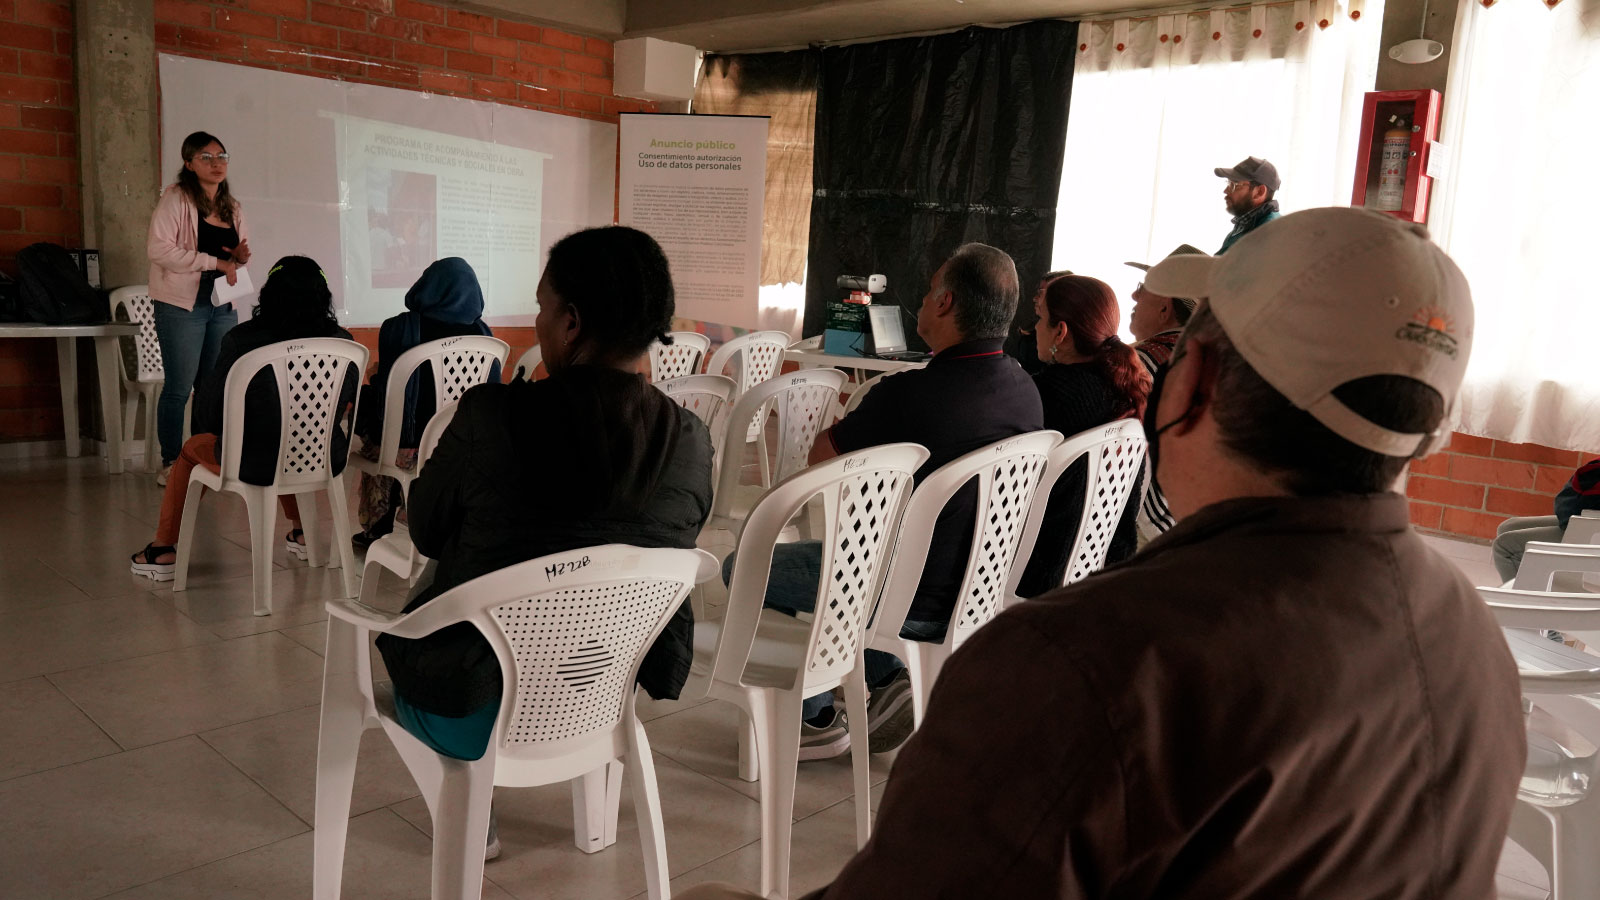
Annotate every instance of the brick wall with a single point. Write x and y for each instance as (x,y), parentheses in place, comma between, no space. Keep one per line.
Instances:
(40,197)
(396,43)
(1477,483)
(402,43)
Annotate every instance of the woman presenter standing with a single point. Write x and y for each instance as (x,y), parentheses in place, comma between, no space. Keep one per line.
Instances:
(197,235)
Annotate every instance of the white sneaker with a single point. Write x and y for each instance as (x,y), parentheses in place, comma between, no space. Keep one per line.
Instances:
(161,476)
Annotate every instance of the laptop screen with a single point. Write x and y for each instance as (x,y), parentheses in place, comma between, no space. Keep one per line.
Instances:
(888,334)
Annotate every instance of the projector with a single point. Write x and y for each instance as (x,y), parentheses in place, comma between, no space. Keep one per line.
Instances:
(872,284)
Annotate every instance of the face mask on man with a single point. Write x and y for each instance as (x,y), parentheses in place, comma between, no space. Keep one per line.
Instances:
(1152,431)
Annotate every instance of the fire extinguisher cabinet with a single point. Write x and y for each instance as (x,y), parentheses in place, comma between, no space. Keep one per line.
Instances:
(1398,131)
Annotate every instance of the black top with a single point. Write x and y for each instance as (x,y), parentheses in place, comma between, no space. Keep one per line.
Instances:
(259,458)
(588,456)
(967,397)
(1076,398)
(211,239)
(370,425)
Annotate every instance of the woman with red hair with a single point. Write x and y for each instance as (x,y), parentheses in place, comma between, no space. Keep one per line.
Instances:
(1090,378)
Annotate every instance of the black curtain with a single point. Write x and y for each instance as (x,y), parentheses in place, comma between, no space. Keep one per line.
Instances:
(923,144)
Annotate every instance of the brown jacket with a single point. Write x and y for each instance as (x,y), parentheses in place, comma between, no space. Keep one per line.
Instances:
(1277,698)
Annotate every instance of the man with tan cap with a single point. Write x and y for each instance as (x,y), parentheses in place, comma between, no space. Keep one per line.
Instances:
(1287,695)
(1250,196)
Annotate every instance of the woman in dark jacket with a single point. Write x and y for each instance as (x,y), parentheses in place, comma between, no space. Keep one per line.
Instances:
(445,302)
(295,303)
(1091,378)
(591,455)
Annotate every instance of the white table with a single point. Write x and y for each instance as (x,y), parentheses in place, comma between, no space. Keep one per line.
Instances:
(107,357)
(807,354)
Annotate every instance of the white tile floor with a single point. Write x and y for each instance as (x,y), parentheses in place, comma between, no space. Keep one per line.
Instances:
(162,746)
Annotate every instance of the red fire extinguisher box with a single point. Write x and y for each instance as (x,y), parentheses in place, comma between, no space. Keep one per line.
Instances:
(1398,130)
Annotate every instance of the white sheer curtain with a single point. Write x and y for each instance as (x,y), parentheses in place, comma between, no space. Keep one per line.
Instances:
(1148,124)
(1519,210)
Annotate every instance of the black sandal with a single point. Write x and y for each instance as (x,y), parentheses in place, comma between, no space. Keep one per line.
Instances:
(149,568)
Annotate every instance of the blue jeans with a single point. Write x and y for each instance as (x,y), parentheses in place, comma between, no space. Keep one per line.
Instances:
(189,342)
(792,588)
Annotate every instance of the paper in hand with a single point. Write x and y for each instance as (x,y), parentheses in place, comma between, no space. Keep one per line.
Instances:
(222,292)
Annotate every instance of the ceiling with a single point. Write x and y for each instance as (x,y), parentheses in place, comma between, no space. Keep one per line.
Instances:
(740,25)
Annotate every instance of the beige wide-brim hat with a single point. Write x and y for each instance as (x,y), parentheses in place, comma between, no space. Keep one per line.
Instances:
(1183,250)
(1322,297)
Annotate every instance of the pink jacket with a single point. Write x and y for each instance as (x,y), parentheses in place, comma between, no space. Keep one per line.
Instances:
(175,264)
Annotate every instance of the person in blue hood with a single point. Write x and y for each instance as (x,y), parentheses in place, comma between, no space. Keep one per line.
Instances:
(445,302)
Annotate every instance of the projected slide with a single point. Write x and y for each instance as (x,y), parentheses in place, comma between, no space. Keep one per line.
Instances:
(376,183)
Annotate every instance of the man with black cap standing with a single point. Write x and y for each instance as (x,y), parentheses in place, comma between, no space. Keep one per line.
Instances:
(1252,187)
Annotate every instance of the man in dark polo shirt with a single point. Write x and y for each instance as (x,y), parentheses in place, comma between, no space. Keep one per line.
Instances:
(1289,694)
(970,394)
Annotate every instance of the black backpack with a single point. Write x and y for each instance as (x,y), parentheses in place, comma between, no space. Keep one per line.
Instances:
(54,291)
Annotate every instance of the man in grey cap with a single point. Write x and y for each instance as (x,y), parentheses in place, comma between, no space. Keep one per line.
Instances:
(1289,694)
(1250,196)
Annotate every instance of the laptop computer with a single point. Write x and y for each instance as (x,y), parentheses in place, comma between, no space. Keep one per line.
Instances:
(889,334)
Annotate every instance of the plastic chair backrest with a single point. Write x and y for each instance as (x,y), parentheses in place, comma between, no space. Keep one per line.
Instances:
(1008,473)
(864,495)
(135,299)
(457,363)
(310,374)
(1571,613)
(430,435)
(756,356)
(679,358)
(804,401)
(860,393)
(703,395)
(1116,457)
(529,361)
(569,631)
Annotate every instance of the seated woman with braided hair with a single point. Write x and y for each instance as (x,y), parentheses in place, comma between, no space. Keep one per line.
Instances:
(591,455)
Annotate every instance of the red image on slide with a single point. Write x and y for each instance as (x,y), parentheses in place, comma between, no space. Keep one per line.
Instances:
(401,225)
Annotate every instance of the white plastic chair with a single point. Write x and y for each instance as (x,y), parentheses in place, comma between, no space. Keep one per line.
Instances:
(310,375)
(149,374)
(679,358)
(860,393)
(755,357)
(394,551)
(569,631)
(1116,457)
(1557,816)
(457,363)
(1007,474)
(707,396)
(767,662)
(529,361)
(804,402)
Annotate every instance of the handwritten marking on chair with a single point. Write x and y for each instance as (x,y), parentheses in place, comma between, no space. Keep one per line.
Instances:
(851,464)
(292,348)
(450,342)
(562,568)
(799,379)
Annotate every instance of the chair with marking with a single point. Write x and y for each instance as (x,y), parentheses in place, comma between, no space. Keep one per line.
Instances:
(1114,456)
(569,631)
(1007,475)
(803,402)
(311,376)
(767,662)
(455,364)
(754,358)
